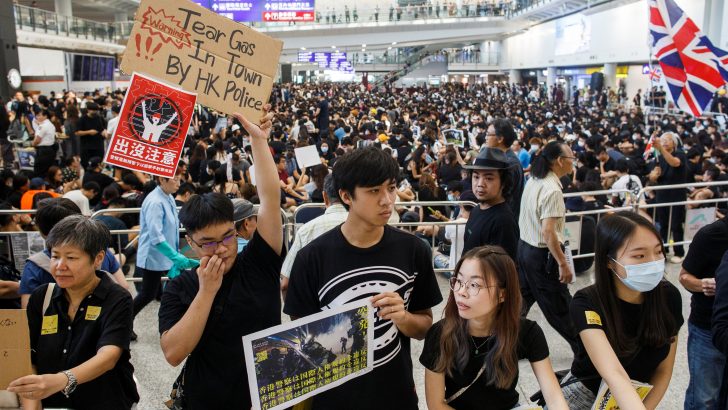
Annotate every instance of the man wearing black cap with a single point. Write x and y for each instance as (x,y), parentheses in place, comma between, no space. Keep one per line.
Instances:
(491,223)
(90,128)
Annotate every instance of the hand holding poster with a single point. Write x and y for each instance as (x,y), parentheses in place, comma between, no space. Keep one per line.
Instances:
(307,157)
(288,363)
(152,128)
(229,65)
(455,137)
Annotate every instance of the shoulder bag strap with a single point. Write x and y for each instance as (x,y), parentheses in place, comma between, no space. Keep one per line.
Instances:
(461,391)
(48,296)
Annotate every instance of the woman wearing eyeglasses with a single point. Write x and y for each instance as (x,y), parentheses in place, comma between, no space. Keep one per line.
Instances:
(471,355)
(157,253)
(627,321)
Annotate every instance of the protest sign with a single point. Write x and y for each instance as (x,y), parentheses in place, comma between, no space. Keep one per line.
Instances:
(229,65)
(572,234)
(152,128)
(23,245)
(455,137)
(288,363)
(307,157)
(26,158)
(14,346)
(697,218)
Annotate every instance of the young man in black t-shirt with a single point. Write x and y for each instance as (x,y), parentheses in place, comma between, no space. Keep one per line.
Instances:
(705,362)
(492,223)
(206,311)
(365,258)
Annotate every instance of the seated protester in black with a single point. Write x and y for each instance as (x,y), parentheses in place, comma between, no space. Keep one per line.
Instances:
(364,258)
(628,320)
(206,311)
(471,355)
(80,340)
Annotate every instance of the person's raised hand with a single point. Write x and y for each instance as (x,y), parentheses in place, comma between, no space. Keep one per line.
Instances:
(210,273)
(258,131)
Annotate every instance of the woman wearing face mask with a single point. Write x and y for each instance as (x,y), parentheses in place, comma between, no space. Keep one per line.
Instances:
(471,355)
(628,320)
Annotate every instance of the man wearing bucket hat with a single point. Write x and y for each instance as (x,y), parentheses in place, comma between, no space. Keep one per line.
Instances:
(492,222)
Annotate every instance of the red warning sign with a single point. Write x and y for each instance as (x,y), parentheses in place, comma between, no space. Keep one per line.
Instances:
(153,125)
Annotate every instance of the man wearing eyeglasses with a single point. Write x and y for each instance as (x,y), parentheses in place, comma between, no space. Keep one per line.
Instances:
(206,311)
(157,253)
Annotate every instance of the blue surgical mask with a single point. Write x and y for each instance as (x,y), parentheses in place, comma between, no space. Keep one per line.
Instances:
(324,149)
(428,159)
(643,277)
(450,197)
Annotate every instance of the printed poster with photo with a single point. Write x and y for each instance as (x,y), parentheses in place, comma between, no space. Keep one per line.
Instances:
(289,363)
(455,137)
(152,128)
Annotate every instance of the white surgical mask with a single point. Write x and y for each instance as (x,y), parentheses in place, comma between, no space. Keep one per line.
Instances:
(580,143)
(643,277)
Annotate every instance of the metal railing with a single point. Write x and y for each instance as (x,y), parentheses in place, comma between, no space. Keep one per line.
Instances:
(290,226)
(43,21)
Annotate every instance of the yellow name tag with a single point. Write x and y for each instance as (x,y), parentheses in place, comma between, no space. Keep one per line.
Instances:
(93,312)
(50,325)
(592,318)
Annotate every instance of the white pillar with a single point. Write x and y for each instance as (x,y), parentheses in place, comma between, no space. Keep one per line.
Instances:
(610,75)
(514,77)
(63,7)
(550,76)
(713,22)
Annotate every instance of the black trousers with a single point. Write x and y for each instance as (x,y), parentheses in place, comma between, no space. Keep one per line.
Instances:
(45,157)
(151,282)
(662,217)
(544,288)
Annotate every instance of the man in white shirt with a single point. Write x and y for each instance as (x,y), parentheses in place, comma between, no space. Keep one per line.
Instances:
(334,216)
(111,125)
(44,142)
(625,181)
(82,196)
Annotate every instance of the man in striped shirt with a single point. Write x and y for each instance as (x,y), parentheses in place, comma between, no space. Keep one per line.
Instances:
(543,269)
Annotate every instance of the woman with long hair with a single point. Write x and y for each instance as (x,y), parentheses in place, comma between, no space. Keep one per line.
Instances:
(197,159)
(627,320)
(223,186)
(471,355)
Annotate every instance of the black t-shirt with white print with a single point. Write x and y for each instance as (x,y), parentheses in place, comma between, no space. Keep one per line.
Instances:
(586,314)
(331,272)
(531,345)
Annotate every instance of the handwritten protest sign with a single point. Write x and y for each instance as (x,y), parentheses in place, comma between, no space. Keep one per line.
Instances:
(290,362)
(229,65)
(14,346)
(152,128)
(307,156)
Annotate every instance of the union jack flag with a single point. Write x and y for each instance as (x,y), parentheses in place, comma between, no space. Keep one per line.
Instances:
(693,67)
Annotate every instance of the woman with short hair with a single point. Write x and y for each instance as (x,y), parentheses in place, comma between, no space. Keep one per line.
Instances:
(80,327)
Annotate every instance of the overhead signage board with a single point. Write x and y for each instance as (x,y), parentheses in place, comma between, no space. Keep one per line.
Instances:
(265,11)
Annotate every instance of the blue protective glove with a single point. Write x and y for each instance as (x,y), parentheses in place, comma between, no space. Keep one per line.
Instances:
(179,261)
